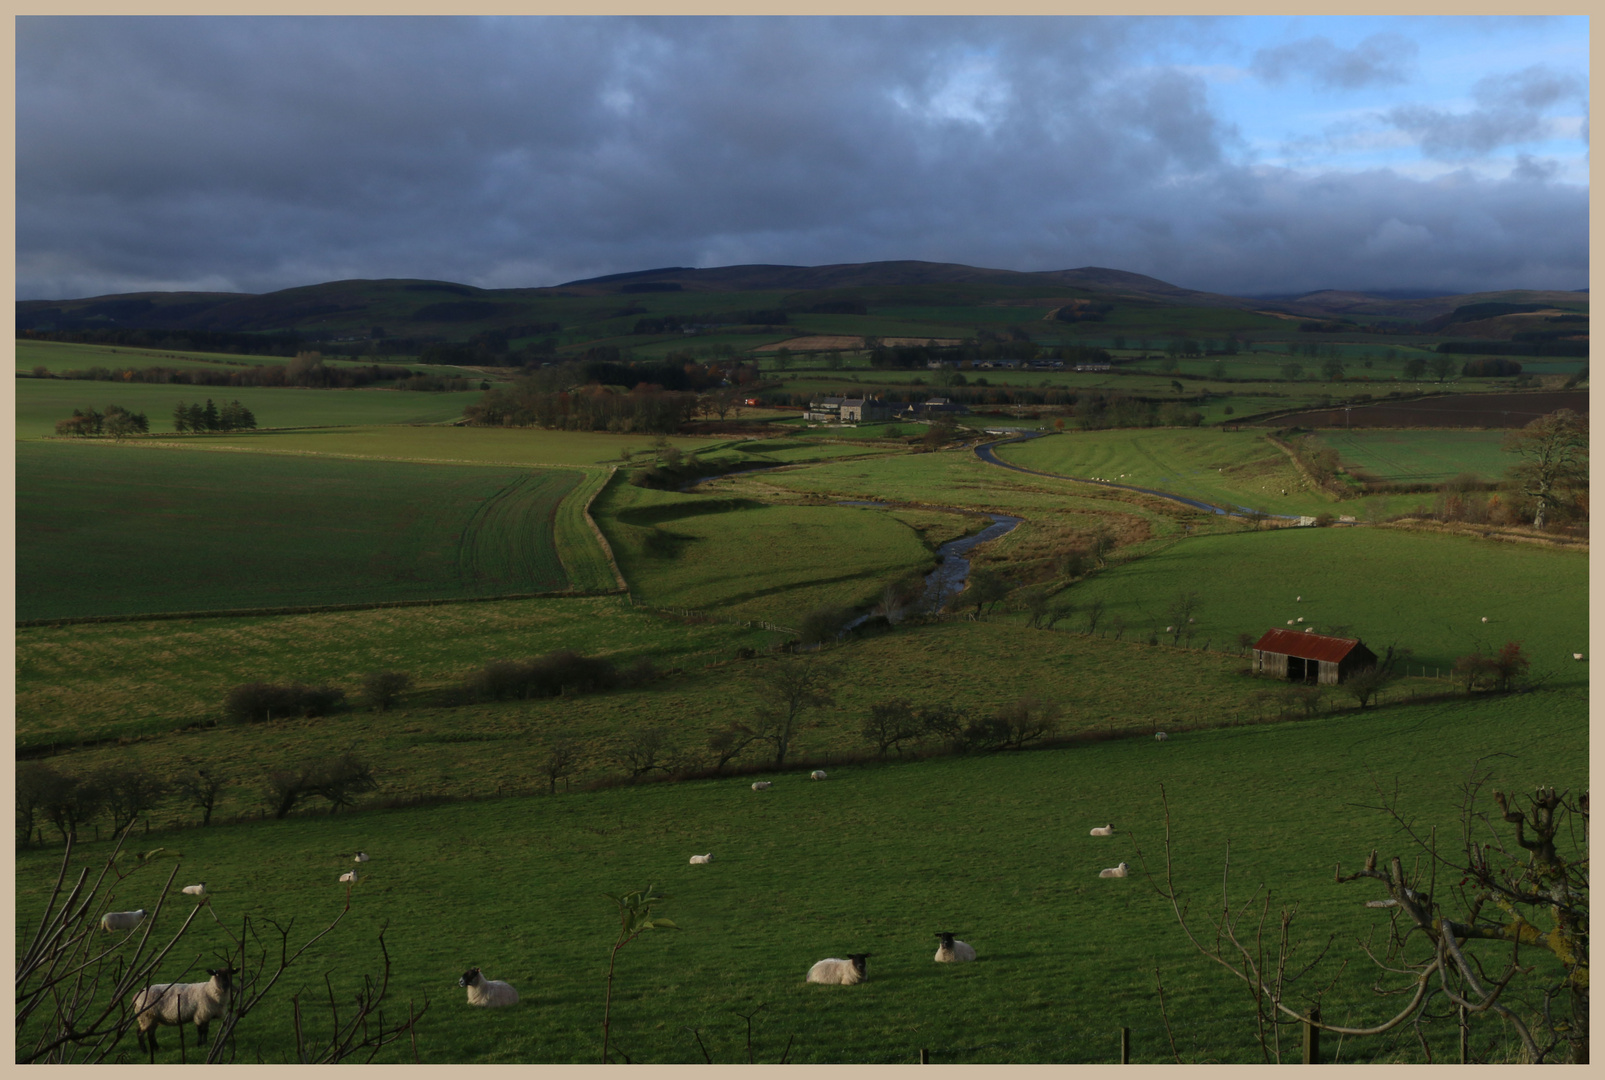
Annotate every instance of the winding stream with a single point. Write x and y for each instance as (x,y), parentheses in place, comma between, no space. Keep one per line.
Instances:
(952,569)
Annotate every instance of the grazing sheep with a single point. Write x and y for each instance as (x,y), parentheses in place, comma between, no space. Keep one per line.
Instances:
(1290,622)
(122,920)
(1115,871)
(952,952)
(833,971)
(762,785)
(1160,736)
(1309,629)
(349,876)
(182,1003)
(1485,618)
(361,856)
(487,992)
(1104,830)
(817,774)
(702,860)
(1299,619)
(195,890)
(1298,598)
(1577,656)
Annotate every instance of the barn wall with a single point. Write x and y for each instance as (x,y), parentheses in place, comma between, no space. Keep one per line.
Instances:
(1269,663)
(1329,673)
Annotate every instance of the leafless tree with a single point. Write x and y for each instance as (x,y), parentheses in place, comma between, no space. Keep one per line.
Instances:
(787,690)
(560,762)
(1553,452)
(201,787)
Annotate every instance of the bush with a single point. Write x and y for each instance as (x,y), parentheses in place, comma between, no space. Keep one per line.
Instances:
(258,701)
(822,624)
(383,688)
(562,672)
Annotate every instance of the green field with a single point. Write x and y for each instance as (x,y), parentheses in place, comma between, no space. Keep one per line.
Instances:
(1416,457)
(42,402)
(109,530)
(874,860)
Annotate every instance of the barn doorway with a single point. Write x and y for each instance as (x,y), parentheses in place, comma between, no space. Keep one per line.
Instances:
(1302,670)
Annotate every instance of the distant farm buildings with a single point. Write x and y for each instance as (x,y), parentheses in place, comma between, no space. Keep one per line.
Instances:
(932,408)
(840,410)
(1308,657)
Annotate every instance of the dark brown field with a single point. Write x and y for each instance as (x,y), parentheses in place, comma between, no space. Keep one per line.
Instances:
(1454,411)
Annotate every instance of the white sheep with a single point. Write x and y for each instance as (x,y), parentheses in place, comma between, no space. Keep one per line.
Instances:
(702,860)
(350,877)
(953,952)
(489,993)
(361,856)
(1485,618)
(182,1003)
(833,971)
(1104,830)
(1160,736)
(1300,619)
(1577,656)
(1298,599)
(1290,622)
(122,920)
(1115,871)
(817,774)
(195,890)
(762,785)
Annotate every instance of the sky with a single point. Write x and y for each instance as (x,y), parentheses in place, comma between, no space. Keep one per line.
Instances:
(1252,156)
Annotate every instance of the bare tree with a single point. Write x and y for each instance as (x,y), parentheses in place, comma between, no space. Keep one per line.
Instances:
(730,742)
(201,787)
(890,724)
(1554,459)
(787,690)
(1525,889)
(1181,614)
(644,752)
(560,762)
(127,793)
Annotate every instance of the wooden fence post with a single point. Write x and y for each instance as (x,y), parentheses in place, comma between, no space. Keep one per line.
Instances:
(1465,1037)
(1312,1039)
(925,1056)
(1125,1046)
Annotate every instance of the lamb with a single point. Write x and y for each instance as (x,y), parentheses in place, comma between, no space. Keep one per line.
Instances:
(833,971)
(762,785)
(182,1003)
(350,877)
(1104,830)
(361,856)
(1160,736)
(195,890)
(702,860)
(817,774)
(1115,871)
(122,920)
(952,952)
(489,993)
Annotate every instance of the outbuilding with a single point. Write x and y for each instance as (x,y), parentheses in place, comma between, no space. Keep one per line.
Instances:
(1307,657)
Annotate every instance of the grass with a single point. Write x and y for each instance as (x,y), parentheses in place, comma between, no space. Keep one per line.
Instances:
(116,530)
(42,402)
(578,544)
(874,860)
(1421,456)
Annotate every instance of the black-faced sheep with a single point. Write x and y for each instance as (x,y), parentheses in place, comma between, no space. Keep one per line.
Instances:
(702,860)
(1104,830)
(817,774)
(952,952)
(194,890)
(488,993)
(834,971)
(1115,871)
(762,785)
(182,1003)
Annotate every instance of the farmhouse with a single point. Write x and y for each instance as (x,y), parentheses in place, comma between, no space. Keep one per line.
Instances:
(859,410)
(1307,657)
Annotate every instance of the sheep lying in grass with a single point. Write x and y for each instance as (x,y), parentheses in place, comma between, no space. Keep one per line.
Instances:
(833,971)
(1115,871)
(122,920)
(817,774)
(195,890)
(952,952)
(702,860)
(349,877)
(762,785)
(361,856)
(182,1003)
(1104,830)
(1160,736)
(487,992)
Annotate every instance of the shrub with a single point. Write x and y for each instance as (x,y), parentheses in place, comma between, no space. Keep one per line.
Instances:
(383,688)
(562,672)
(258,701)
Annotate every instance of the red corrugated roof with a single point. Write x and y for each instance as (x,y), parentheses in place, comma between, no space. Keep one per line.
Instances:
(1306,646)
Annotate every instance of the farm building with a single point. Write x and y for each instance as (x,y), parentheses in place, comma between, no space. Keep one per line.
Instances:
(1307,657)
(847,410)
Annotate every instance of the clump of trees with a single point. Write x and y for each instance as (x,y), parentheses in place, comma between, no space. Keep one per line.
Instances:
(1498,672)
(255,702)
(197,417)
(115,421)
(339,780)
(896,724)
(553,675)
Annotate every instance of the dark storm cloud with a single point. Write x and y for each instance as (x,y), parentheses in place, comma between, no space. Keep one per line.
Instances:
(1379,60)
(1510,111)
(258,154)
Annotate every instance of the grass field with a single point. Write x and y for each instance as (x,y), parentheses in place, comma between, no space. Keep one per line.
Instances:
(1430,456)
(1226,468)
(42,402)
(111,530)
(874,860)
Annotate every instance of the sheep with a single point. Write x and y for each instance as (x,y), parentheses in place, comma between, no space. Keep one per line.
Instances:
(763,785)
(195,890)
(122,920)
(350,877)
(489,993)
(1577,656)
(1115,871)
(1290,622)
(1104,830)
(834,971)
(1160,736)
(702,860)
(953,952)
(1485,618)
(1300,618)
(182,1003)
(1298,599)
(361,856)
(817,774)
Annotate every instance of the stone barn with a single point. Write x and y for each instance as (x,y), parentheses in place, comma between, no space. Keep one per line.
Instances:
(1306,657)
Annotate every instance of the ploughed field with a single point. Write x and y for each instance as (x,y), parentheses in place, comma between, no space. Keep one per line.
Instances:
(875,859)
(106,530)
(1450,411)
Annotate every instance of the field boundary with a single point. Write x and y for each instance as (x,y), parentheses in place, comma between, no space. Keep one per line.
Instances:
(587,573)
(166,445)
(1486,532)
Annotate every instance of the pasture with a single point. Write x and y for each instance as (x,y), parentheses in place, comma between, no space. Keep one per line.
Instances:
(1416,457)
(111,530)
(873,860)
